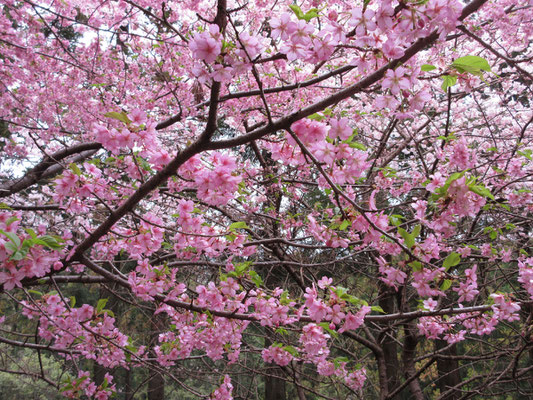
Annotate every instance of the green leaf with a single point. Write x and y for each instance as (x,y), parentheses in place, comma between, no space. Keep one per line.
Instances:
(377,309)
(74,168)
(109,312)
(11,236)
(451,261)
(31,232)
(526,153)
(340,360)
(72,301)
(357,145)
(325,326)
(446,285)
(4,206)
(297,11)
(353,300)
(100,305)
(231,237)
(122,116)
(309,15)
(448,81)
(238,225)
(396,219)
(241,268)
(284,299)
(27,244)
(416,266)
(282,331)
(256,279)
(18,255)
(408,239)
(51,242)
(11,247)
(291,350)
(66,387)
(35,292)
(427,67)
(453,177)
(471,64)
(316,117)
(482,191)
(10,220)
(345,224)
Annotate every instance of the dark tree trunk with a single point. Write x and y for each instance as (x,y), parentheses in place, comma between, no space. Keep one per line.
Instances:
(128,390)
(156,387)
(448,370)
(156,383)
(98,373)
(409,353)
(275,388)
(387,340)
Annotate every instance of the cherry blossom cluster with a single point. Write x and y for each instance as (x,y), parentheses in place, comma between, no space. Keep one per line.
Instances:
(224,391)
(314,349)
(83,385)
(232,58)
(525,272)
(447,328)
(216,179)
(215,336)
(87,330)
(25,255)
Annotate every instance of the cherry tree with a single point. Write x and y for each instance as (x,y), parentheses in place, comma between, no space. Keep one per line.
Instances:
(327,199)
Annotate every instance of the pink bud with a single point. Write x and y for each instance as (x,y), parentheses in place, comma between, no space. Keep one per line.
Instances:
(333,15)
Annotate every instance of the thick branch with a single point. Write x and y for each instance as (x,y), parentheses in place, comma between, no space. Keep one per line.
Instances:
(46,168)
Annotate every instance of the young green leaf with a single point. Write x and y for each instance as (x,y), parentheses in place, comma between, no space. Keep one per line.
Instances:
(446,285)
(11,236)
(482,191)
(448,81)
(451,261)
(427,67)
(238,225)
(345,224)
(297,11)
(100,305)
(377,309)
(122,116)
(408,239)
(471,64)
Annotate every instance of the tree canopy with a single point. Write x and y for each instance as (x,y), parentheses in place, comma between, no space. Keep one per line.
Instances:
(266,200)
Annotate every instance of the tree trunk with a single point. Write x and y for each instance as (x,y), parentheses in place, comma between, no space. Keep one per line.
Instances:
(274,387)
(448,370)
(387,340)
(128,390)
(409,352)
(156,383)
